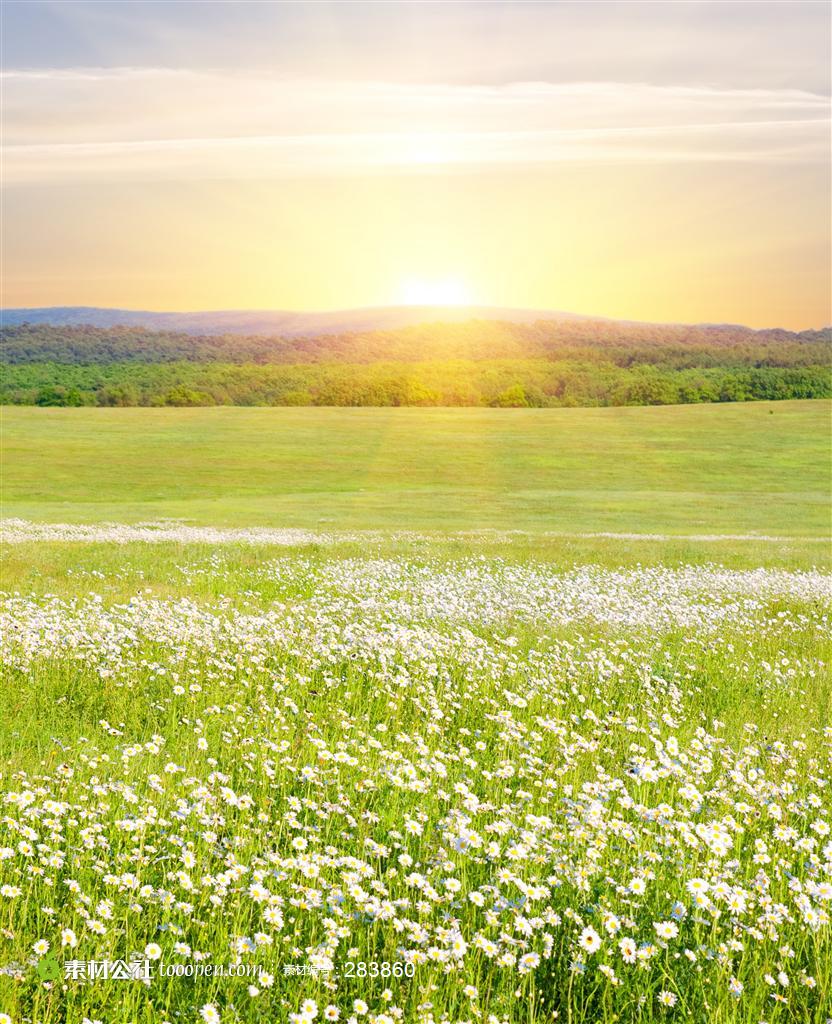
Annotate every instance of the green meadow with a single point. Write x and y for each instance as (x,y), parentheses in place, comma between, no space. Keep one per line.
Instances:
(757,468)
(531,724)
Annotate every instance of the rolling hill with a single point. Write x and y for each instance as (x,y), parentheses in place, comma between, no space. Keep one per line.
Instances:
(285,323)
(569,361)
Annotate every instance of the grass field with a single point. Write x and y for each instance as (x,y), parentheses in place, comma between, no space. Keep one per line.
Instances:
(552,777)
(755,468)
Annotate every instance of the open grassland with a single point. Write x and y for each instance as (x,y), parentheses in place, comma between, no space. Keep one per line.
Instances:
(441,728)
(725,469)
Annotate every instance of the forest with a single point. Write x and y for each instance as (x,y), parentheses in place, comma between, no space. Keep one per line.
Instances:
(478,363)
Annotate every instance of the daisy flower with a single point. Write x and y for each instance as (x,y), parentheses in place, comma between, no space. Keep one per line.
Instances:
(589,940)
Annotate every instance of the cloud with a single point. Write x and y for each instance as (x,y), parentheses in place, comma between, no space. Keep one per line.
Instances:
(738,44)
(157,123)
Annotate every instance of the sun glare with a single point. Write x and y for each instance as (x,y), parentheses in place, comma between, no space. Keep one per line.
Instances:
(447,292)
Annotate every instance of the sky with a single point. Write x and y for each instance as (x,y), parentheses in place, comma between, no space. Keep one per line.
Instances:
(649,161)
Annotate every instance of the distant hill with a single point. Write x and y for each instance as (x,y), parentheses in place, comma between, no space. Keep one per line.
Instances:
(477,362)
(285,323)
(621,342)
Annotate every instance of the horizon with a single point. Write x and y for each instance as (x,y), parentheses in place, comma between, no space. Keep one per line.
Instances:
(323,157)
(551,314)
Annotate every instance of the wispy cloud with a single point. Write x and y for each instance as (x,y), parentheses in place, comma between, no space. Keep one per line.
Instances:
(151,123)
(736,43)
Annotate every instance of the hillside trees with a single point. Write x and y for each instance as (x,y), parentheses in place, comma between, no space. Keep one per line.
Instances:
(476,364)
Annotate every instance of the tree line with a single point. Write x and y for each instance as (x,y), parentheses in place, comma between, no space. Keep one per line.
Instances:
(502,383)
(478,340)
(582,363)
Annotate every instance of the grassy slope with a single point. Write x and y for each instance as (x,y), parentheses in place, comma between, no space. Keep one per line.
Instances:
(761,467)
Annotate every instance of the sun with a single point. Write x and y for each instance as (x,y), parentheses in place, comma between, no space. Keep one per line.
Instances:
(444,292)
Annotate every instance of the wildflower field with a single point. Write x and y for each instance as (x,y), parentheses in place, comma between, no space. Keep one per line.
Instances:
(497,779)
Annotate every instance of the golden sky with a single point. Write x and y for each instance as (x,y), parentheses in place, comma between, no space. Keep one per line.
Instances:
(636,160)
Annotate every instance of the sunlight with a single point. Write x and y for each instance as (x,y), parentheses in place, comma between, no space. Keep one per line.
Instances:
(445,292)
